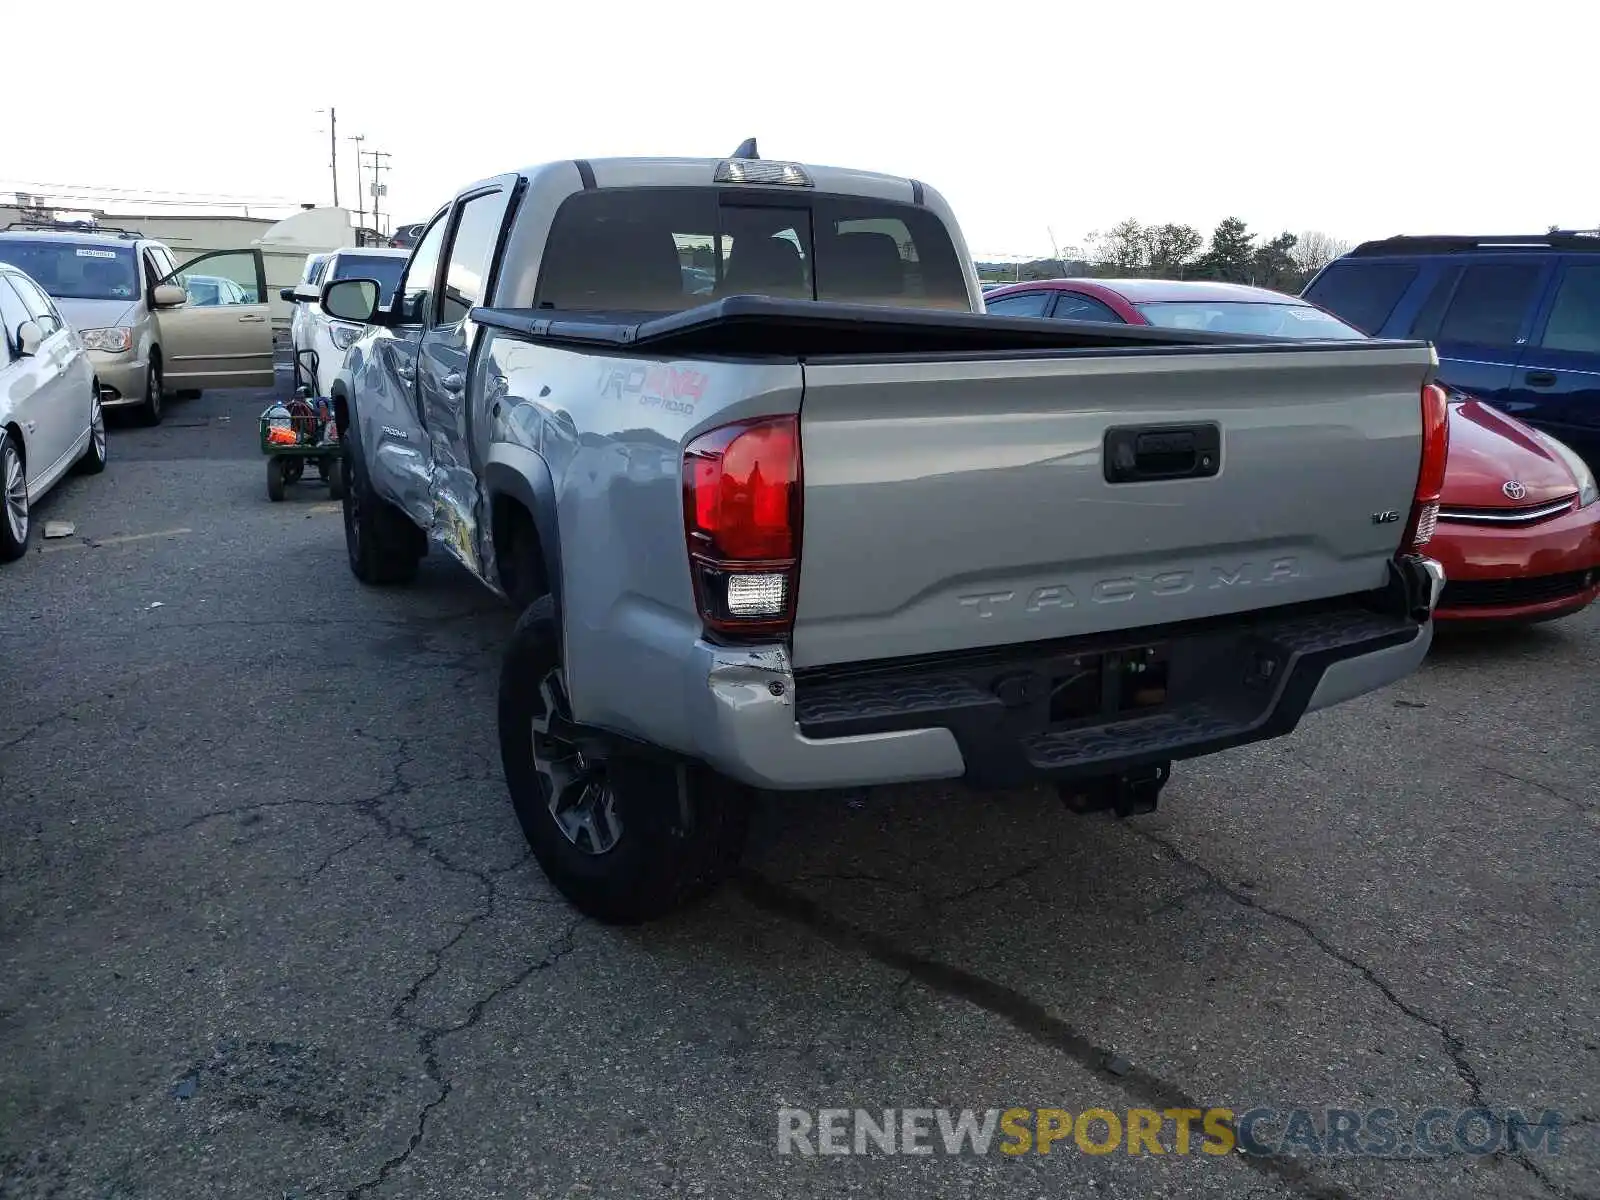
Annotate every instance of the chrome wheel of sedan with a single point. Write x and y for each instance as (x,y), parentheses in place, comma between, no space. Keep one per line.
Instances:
(94,458)
(14,499)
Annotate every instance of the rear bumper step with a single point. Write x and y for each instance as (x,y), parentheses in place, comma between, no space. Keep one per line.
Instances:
(1099,706)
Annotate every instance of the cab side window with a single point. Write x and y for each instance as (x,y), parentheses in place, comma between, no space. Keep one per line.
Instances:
(422,272)
(471,256)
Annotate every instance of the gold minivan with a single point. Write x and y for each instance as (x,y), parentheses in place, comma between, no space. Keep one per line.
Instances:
(153,329)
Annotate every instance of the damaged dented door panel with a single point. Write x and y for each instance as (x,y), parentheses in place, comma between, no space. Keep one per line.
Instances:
(473,238)
(393,425)
(220,336)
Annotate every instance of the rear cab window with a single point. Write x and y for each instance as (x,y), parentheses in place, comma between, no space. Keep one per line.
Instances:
(668,249)
(1363,294)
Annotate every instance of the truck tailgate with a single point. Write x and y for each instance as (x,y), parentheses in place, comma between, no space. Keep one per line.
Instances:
(960,502)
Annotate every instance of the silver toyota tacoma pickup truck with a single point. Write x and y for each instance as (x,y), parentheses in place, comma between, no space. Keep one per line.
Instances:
(784,508)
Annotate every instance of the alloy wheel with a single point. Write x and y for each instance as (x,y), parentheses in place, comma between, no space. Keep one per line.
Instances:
(578,791)
(16,496)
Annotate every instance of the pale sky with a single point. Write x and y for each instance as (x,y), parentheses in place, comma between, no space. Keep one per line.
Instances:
(1359,119)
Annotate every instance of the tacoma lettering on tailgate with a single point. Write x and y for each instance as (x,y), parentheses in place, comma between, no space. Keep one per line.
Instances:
(1127,587)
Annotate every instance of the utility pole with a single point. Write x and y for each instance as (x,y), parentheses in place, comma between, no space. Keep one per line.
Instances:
(373,156)
(361,211)
(333,147)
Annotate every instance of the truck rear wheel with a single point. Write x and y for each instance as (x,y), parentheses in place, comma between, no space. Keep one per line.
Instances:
(625,839)
(382,544)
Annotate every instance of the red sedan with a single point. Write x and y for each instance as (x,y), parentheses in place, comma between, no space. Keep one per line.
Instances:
(1519,519)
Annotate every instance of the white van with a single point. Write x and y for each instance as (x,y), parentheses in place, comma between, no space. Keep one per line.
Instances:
(311,329)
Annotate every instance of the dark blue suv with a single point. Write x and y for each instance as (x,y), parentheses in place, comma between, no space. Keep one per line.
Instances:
(1516,320)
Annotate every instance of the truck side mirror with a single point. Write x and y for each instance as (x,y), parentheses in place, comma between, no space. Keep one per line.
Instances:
(351,300)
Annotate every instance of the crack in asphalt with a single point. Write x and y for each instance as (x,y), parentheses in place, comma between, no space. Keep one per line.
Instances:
(1454,1045)
(930,902)
(328,859)
(1578,805)
(429,1036)
(43,722)
(389,827)
(1019,1010)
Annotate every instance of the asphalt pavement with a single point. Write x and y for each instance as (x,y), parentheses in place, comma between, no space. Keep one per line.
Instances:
(268,927)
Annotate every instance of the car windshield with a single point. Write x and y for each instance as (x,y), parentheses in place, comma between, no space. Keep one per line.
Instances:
(74,271)
(1266,319)
(666,249)
(385,269)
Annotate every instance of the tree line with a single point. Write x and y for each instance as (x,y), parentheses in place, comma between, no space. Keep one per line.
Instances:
(1131,249)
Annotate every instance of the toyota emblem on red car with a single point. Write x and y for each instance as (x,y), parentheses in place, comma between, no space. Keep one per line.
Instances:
(1513,489)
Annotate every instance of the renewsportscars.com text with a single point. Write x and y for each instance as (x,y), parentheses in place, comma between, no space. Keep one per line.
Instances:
(1336,1132)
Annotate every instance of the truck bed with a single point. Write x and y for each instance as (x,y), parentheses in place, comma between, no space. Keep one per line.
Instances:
(972,481)
(763,326)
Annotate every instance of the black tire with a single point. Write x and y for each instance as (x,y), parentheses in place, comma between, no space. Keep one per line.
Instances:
(673,832)
(276,479)
(94,458)
(150,411)
(294,470)
(333,473)
(14,508)
(383,546)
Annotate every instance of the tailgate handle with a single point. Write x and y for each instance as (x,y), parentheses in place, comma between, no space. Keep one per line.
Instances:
(1145,452)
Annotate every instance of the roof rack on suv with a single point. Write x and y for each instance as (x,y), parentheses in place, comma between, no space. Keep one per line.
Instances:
(75,227)
(1558,239)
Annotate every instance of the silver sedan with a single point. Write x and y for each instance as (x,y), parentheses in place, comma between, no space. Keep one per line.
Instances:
(50,416)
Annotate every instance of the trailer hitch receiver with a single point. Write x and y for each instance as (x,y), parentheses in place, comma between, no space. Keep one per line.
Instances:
(1129,794)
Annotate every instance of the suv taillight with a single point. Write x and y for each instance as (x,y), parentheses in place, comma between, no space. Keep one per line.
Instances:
(1430,478)
(741,519)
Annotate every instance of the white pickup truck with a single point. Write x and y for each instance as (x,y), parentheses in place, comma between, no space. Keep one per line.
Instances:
(785,509)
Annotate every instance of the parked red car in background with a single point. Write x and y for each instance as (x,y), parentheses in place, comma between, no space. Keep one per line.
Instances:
(1519,518)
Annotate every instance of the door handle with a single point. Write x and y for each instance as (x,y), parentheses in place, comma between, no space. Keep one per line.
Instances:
(452,383)
(251,320)
(1154,452)
(1540,378)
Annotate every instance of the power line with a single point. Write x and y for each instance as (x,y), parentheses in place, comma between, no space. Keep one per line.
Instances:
(125,192)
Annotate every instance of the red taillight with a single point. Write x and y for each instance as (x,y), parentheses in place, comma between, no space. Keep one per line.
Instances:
(1430,477)
(741,516)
